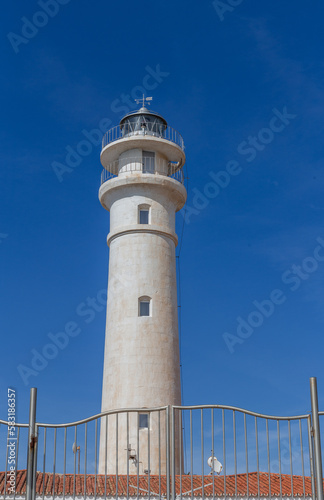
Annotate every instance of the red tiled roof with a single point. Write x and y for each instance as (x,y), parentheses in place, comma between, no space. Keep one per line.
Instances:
(244,484)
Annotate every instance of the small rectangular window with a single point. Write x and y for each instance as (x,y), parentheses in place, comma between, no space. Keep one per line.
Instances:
(148,162)
(143,216)
(143,421)
(144,308)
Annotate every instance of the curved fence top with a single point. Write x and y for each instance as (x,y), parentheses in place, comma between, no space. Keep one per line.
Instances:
(163,408)
(100,415)
(242,410)
(10,424)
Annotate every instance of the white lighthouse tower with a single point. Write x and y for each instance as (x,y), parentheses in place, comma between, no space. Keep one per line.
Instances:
(142,188)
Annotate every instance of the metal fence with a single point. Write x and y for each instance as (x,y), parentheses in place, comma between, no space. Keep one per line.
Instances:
(245,441)
(179,452)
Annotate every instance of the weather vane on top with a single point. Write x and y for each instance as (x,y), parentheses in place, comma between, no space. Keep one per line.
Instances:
(143,100)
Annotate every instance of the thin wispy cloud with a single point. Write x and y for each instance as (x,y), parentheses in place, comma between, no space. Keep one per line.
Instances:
(293,74)
(72,97)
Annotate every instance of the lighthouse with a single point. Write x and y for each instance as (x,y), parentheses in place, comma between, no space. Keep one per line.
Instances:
(142,188)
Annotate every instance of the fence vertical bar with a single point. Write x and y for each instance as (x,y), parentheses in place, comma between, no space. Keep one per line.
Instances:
(172,452)
(291,462)
(311,458)
(127,451)
(16,465)
(54,463)
(64,465)
(180,450)
(235,458)
(268,453)
(116,467)
(106,452)
(5,475)
(202,454)
(317,439)
(257,454)
(35,461)
(302,456)
(191,456)
(246,457)
(96,458)
(31,444)
(74,462)
(168,451)
(213,452)
(224,451)
(279,457)
(159,423)
(148,455)
(85,459)
(138,456)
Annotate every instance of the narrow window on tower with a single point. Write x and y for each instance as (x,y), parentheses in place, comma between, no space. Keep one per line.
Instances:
(144,306)
(144,214)
(148,162)
(144,217)
(143,421)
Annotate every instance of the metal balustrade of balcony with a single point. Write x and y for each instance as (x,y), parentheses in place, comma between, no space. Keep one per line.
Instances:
(133,129)
(138,165)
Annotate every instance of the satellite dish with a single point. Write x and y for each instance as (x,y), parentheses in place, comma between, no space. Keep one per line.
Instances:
(215,465)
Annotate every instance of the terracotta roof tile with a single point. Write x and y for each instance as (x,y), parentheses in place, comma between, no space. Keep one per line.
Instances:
(242,485)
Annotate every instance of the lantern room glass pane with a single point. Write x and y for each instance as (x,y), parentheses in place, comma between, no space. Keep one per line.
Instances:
(143,124)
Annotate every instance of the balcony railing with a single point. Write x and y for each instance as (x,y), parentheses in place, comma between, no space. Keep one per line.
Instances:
(141,165)
(129,130)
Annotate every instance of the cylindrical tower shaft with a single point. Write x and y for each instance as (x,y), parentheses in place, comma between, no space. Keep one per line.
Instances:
(141,366)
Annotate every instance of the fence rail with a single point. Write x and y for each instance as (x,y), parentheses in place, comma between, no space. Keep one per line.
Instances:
(133,165)
(172,451)
(130,130)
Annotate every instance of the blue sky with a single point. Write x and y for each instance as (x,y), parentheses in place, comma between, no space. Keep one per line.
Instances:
(222,80)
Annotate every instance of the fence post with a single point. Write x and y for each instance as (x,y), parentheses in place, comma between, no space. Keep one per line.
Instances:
(317,439)
(32,438)
(311,456)
(168,451)
(173,460)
